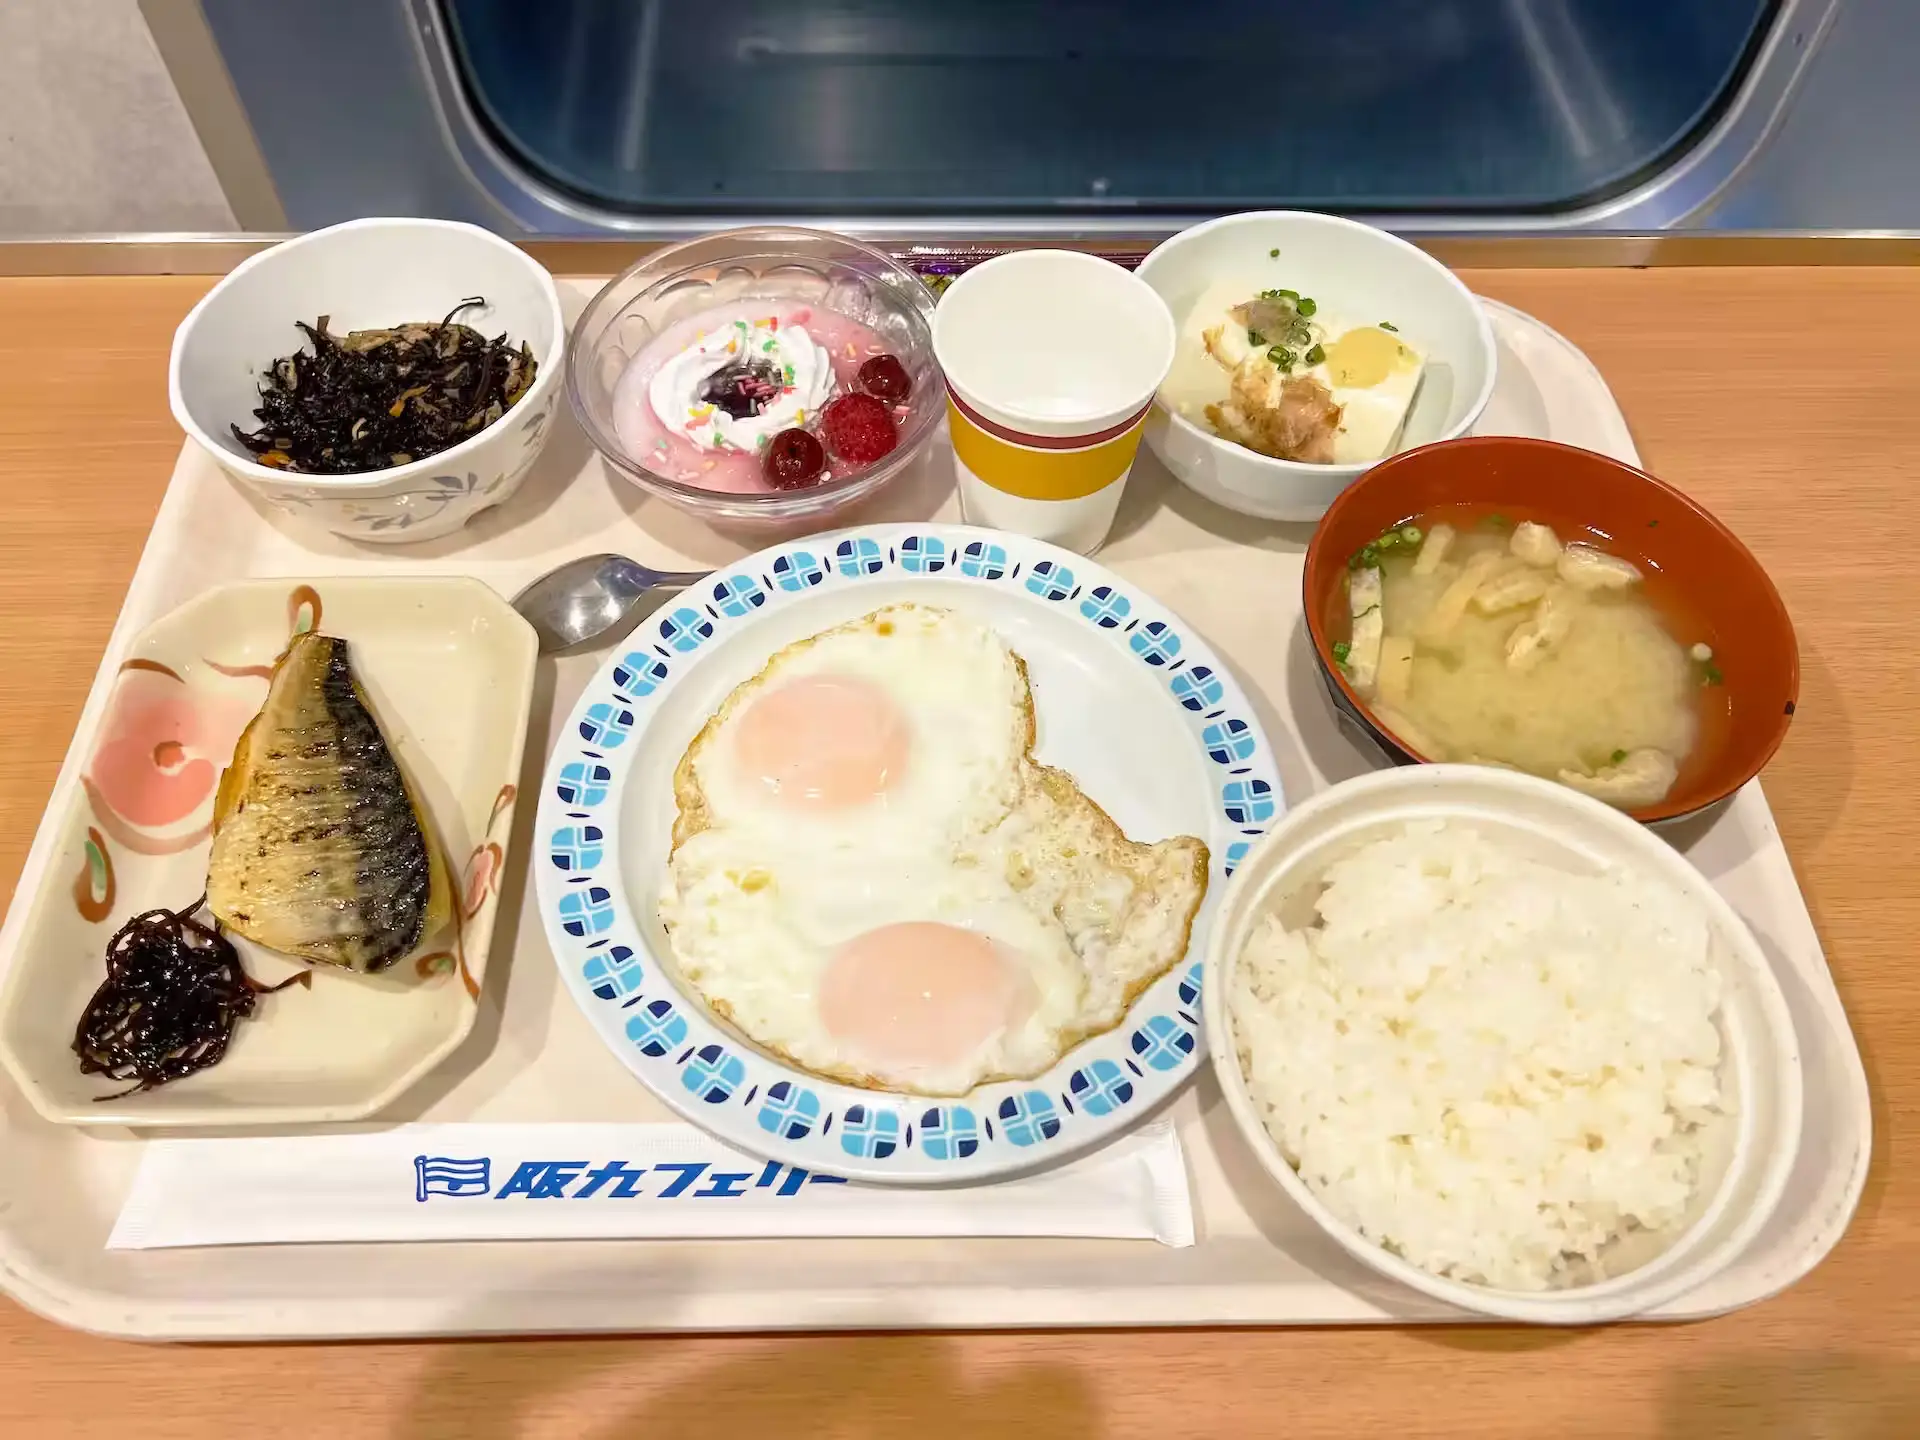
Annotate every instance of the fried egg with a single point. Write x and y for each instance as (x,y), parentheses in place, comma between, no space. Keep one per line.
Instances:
(873,879)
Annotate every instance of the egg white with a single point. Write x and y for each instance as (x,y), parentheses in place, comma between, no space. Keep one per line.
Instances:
(759,896)
(759,951)
(964,699)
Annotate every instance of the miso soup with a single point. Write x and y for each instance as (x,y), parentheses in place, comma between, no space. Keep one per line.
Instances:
(1502,639)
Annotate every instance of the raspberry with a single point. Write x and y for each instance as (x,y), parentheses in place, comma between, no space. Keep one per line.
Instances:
(794,460)
(858,427)
(885,378)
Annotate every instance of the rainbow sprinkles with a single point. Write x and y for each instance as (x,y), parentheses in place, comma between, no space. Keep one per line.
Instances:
(737,386)
(705,400)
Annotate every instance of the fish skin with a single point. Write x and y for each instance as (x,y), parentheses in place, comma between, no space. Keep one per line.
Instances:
(320,849)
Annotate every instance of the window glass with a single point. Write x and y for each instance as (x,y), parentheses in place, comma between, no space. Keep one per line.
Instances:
(1012,106)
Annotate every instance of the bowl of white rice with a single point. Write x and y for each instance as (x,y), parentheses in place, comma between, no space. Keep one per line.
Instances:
(1503,1044)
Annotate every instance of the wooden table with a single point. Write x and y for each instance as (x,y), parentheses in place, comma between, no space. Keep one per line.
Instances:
(1786,399)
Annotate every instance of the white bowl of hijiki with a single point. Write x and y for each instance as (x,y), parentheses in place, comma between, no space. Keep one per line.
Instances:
(385,379)
(1531,606)
(1310,347)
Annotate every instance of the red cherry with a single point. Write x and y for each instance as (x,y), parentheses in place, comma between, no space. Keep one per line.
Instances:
(884,378)
(858,427)
(794,460)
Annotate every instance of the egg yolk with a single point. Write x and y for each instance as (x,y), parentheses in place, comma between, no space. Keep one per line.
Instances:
(824,742)
(920,994)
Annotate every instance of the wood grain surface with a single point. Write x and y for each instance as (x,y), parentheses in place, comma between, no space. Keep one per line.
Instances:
(1786,400)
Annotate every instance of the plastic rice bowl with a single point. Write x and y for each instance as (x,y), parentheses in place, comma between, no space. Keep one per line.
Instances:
(1737,1165)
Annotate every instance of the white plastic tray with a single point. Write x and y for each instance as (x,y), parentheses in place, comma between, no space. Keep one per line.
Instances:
(532,1057)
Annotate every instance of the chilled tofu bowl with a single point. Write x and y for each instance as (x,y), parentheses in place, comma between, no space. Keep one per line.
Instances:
(1310,348)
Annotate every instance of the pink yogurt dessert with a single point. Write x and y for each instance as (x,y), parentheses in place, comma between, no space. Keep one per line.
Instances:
(702,402)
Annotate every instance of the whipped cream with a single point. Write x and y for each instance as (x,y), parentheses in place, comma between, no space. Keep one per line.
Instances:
(791,375)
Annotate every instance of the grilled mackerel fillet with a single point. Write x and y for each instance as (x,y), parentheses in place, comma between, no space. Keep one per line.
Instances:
(320,847)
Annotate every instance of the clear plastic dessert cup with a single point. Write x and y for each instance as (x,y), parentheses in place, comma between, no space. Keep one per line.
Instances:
(787,265)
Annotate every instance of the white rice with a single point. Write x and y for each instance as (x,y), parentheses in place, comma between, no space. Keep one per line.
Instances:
(1494,1067)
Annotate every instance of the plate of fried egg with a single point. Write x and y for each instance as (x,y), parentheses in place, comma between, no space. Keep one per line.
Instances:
(891,853)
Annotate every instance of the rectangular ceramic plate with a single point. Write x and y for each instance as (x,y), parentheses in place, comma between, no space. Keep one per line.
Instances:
(448,670)
(1258,1260)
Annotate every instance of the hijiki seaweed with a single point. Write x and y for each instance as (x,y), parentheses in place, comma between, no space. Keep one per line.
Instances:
(376,398)
(174,991)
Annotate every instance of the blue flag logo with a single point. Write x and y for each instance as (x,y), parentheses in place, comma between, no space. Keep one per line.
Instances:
(441,1175)
(608,1180)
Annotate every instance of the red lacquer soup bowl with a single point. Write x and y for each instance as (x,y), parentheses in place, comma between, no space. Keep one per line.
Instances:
(1706,583)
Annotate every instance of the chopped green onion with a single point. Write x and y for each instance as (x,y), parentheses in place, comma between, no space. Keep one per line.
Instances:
(1498,522)
(1411,534)
(1389,325)
(1293,295)
(1316,355)
(1274,254)
(1388,540)
(1618,756)
(1307,307)
(1254,337)
(1341,649)
(1710,673)
(1281,356)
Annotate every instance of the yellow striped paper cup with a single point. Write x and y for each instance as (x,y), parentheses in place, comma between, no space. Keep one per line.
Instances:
(1052,359)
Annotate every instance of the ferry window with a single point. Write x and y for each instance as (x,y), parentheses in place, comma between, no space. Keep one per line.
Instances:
(846,107)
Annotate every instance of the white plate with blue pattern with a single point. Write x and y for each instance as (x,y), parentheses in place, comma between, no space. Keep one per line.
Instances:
(1128,699)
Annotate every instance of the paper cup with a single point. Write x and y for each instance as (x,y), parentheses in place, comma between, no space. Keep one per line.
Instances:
(1052,359)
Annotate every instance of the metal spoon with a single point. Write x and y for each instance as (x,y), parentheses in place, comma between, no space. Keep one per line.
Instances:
(585,598)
